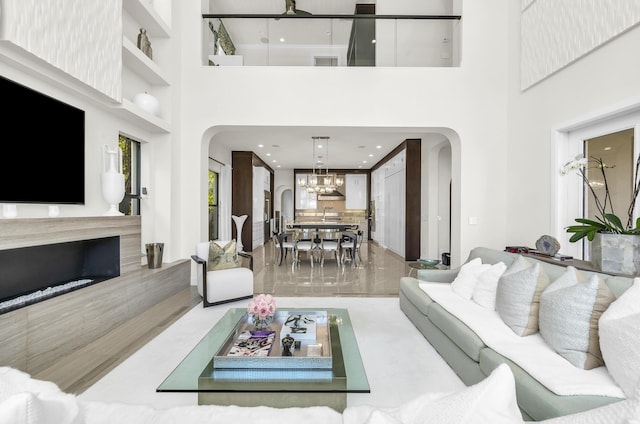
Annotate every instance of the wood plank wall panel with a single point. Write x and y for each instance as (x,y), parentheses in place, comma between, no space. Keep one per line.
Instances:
(15,233)
(413,179)
(413,189)
(242,195)
(37,335)
(13,327)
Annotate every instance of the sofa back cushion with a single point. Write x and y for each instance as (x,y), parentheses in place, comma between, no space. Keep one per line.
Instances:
(617,284)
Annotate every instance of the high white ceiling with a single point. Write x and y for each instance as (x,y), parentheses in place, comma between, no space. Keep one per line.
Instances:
(292,147)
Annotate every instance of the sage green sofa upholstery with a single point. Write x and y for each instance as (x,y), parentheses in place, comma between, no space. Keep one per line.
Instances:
(467,354)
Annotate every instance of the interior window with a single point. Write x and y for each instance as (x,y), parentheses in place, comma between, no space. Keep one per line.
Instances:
(130,205)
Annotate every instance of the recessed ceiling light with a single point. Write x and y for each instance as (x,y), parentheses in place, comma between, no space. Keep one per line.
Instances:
(370,155)
(278,166)
(282,40)
(274,161)
(378,147)
(359,166)
(268,154)
(260,145)
(373,41)
(364,161)
(319,146)
(607,148)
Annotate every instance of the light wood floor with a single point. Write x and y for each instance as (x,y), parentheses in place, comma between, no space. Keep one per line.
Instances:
(378,274)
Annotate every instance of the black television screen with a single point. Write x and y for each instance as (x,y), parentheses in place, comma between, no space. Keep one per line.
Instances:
(43,140)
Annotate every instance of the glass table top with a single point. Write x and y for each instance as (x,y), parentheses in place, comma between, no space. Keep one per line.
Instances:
(196,372)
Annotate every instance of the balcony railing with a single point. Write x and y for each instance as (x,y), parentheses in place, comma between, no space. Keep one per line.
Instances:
(331,40)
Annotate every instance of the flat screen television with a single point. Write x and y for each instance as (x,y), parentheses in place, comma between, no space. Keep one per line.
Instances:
(42,148)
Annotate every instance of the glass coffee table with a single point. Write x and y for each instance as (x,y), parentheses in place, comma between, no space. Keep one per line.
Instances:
(277,381)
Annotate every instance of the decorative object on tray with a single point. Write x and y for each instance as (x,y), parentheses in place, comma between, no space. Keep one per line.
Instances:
(287,344)
(261,309)
(616,257)
(301,327)
(428,263)
(547,245)
(253,343)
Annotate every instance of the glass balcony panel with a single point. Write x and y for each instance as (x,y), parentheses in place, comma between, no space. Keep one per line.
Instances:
(255,41)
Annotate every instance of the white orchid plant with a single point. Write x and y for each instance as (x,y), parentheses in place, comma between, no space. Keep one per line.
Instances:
(606,221)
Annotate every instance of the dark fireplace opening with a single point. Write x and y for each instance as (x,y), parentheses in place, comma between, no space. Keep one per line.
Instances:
(32,274)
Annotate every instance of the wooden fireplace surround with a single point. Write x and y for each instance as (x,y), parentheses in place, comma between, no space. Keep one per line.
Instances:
(39,334)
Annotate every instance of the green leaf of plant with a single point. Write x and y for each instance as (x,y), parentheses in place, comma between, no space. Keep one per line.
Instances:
(613,219)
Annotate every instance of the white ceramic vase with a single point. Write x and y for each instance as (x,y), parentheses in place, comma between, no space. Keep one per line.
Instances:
(147,102)
(239,220)
(112,180)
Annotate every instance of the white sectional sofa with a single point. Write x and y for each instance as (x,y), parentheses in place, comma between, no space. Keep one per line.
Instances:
(474,340)
(24,400)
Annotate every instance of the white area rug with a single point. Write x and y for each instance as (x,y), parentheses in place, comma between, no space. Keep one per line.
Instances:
(399,362)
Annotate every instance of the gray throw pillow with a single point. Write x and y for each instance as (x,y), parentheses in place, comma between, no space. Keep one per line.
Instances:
(570,309)
(518,295)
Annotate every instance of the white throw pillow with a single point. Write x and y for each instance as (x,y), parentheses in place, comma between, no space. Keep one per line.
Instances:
(484,293)
(570,308)
(518,295)
(620,339)
(493,400)
(37,401)
(467,278)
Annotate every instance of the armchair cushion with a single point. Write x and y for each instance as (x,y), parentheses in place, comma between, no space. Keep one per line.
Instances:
(223,285)
(223,257)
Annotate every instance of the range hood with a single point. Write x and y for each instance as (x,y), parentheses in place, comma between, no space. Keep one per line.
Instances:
(334,195)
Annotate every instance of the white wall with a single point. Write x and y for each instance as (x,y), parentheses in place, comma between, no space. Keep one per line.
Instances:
(592,85)
(467,105)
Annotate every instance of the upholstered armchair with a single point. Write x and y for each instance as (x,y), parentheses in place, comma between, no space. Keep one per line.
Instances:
(224,275)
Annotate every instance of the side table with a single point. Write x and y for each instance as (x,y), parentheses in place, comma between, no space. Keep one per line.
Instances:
(415,265)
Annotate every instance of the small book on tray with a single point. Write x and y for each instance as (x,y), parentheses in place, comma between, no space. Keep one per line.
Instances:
(300,327)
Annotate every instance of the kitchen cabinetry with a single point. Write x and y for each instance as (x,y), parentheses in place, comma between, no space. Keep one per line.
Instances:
(139,72)
(355,191)
(395,192)
(389,183)
(304,199)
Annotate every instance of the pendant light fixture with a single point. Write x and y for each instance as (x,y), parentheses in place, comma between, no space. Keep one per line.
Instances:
(320,181)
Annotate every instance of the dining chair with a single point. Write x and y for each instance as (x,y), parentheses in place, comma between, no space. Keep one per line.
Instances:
(329,242)
(350,247)
(306,241)
(285,243)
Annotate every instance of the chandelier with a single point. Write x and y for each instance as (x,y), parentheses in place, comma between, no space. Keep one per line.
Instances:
(320,181)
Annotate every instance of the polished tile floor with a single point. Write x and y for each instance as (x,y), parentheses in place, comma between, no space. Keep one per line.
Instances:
(377,274)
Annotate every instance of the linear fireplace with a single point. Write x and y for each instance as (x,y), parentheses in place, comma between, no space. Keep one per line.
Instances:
(35,273)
